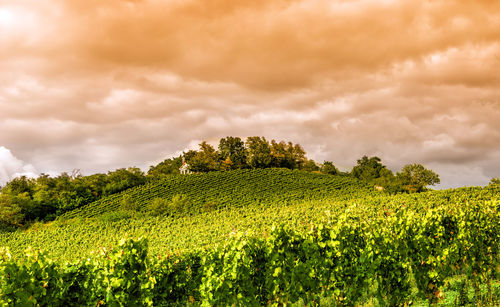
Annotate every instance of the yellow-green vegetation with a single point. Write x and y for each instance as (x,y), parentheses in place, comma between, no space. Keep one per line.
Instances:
(238,188)
(337,242)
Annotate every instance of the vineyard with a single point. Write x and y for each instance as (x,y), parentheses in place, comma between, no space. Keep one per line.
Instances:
(237,188)
(337,263)
(275,237)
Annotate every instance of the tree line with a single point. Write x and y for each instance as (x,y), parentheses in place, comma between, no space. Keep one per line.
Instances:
(26,199)
(233,153)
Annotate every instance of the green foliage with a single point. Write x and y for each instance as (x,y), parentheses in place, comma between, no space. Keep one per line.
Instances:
(165,168)
(233,149)
(10,211)
(259,152)
(129,204)
(338,243)
(345,260)
(287,155)
(27,199)
(329,168)
(368,169)
(112,217)
(178,205)
(204,160)
(495,181)
(415,177)
(236,188)
(159,206)
(310,166)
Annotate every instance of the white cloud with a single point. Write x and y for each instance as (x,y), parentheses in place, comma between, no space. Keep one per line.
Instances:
(11,167)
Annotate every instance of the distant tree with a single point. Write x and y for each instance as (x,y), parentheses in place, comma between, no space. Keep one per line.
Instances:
(368,168)
(10,212)
(122,179)
(233,148)
(310,166)
(189,155)
(415,177)
(280,156)
(259,152)
(287,155)
(328,168)
(205,160)
(298,156)
(495,182)
(388,181)
(19,185)
(165,168)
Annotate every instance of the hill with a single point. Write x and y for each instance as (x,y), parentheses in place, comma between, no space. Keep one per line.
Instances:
(236,188)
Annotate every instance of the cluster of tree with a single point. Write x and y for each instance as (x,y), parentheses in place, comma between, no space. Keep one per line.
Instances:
(26,199)
(257,152)
(233,153)
(411,178)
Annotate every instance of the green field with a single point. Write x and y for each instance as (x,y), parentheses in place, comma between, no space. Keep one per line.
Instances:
(442,229)
(238,188)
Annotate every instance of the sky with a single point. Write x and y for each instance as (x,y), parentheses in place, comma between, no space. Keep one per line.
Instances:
(98,85)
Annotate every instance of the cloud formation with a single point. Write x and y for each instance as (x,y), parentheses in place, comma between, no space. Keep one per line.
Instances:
(11,167)
(97,85)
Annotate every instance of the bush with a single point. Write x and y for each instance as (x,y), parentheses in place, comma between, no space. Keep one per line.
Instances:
(181,203)
(159,206)
(128,204)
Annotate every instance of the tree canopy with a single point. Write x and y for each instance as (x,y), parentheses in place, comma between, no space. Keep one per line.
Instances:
(415,177)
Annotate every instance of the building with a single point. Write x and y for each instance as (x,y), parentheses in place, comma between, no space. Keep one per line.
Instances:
(184,169)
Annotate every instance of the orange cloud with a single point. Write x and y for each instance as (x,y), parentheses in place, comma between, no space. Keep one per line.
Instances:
(102,84)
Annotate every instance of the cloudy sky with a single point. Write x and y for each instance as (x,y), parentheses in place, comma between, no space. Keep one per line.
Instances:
(97,85)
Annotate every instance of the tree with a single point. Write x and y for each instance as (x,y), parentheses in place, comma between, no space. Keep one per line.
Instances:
(415,177)
(368,168)
(205,160)
(259,152)
(19,185)
(287,155)
(310,166)
(495,182)
(233,148)
(329,168)
(298,156)
(166,167)
(122,179)
(10,211)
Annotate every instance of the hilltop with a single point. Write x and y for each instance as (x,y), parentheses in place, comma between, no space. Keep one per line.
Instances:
(230,189)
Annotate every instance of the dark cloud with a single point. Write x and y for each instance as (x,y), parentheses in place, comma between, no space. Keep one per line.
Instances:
(98,85)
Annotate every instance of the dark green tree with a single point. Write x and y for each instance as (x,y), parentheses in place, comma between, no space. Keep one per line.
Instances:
(328,168)
(233,148)
(122,179)
(259,152)
(205,160)
(368,168)
(167,167)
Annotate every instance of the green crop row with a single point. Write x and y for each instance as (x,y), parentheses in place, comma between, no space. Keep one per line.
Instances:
(237,188)
(338,261)
(77,238)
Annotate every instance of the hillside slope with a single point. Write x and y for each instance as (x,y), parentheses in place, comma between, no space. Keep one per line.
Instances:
(234,189)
